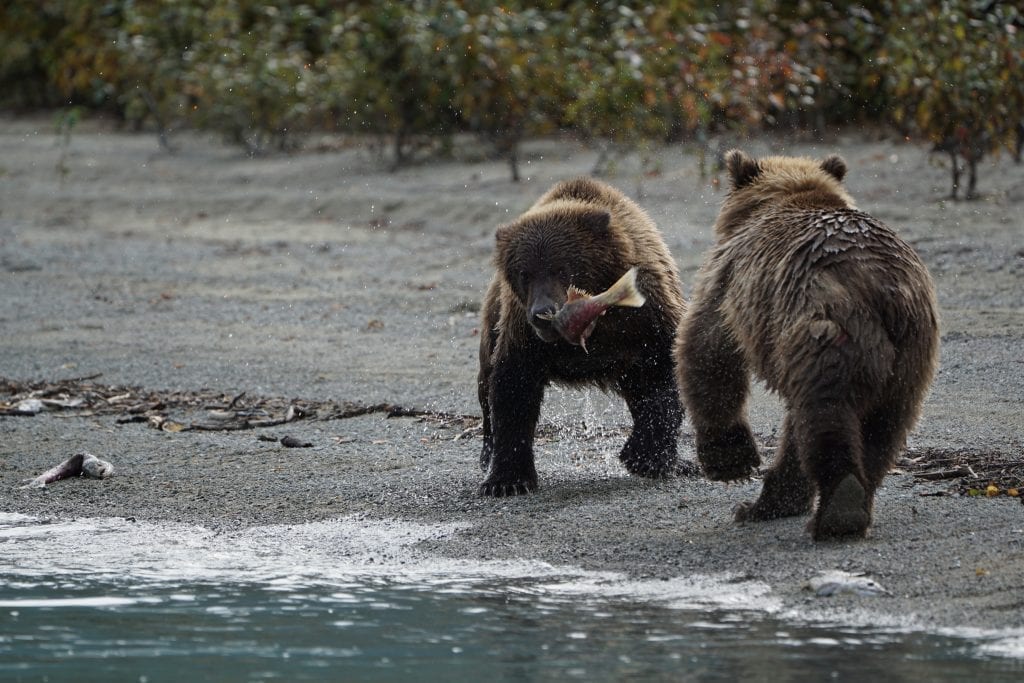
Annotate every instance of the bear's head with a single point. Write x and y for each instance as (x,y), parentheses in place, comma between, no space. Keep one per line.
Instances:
(780,180)
(547,249)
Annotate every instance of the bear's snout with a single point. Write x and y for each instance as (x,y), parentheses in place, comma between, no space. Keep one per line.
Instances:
(541,311)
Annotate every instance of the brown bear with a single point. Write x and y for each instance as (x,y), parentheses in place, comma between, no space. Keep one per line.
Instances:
(835,313)
(584,233)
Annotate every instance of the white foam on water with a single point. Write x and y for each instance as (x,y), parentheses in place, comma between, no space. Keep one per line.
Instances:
(348,551)
(1012,646)
(1008,642)
(694,592)
(334,552)
(993,643)
(100,601)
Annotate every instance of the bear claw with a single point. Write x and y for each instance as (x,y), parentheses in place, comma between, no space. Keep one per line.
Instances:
(650,470)
(760,511)
(505,489)
(729,471)
(743,512)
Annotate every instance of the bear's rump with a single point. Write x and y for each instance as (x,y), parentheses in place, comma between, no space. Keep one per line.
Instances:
(837,356)
(819,337)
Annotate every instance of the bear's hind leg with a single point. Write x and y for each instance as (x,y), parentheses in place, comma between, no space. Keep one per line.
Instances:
(653,401)
(786,491)
(885,433)
(830,445)
(714,383)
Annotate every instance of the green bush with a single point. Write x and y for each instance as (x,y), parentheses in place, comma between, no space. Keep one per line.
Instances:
(55,52)
(156,45)
(964,93)
(970,76)
(621,74)
(254,75)
(507,74)
(392,77)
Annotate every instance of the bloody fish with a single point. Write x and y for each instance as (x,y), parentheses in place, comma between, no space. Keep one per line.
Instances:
(577,317)
(78,465)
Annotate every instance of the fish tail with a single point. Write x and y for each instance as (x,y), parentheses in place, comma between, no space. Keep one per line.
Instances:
(624,292)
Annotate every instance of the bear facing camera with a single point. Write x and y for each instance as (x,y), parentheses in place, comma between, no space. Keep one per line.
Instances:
(586,235)
(835,313)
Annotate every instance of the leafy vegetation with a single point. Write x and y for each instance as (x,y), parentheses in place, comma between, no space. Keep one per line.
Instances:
(964,94)
(621,75)
(389,75)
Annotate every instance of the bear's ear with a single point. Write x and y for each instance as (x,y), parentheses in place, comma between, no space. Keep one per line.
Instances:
(503,235)
(834,165)
(742,169)
(596,221)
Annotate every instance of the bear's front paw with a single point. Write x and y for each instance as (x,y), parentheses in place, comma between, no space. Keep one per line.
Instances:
(500,487)
(643,456)
(729,456)
(650,469)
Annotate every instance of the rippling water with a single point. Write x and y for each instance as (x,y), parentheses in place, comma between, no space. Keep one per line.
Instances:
(106,600)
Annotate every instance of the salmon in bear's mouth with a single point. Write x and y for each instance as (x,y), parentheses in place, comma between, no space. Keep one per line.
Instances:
(576,319)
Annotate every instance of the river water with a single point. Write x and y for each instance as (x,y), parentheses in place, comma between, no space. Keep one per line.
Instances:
(350,600)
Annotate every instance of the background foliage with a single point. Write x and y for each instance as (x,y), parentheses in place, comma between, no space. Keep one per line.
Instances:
(620,74)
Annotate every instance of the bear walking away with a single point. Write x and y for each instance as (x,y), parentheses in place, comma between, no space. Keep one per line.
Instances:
(584,233)
(835,313)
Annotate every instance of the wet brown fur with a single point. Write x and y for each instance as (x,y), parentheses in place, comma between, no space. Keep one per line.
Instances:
(585,233)
(835,313)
